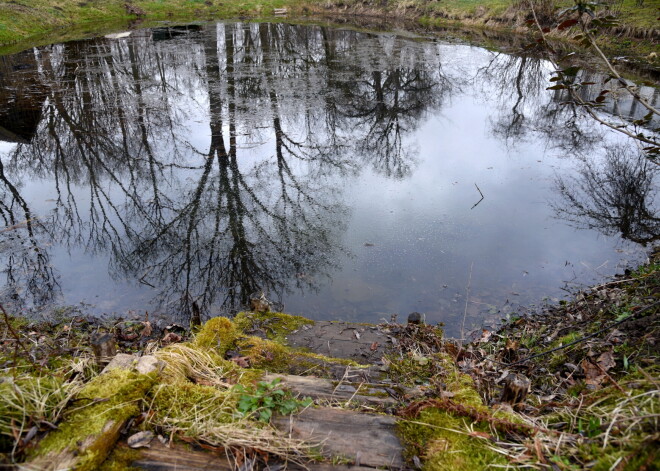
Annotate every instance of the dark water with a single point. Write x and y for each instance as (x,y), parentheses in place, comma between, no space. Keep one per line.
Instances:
(340,172)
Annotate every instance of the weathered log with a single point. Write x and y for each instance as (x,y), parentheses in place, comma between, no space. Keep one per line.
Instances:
(516,387)
(83,441)
(176,457)
(319,388)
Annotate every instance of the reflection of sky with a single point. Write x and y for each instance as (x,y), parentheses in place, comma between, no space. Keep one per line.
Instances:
(426,236)
(412,243)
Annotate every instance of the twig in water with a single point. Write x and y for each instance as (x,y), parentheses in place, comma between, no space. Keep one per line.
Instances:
(482,197)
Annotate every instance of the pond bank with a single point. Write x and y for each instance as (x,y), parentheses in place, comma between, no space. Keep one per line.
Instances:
(572,388)
(33,21)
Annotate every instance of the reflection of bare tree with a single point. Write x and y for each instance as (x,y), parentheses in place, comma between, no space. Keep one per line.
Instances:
(617,196)
(388,102)
(117,137)
(29,275)
(234,235)
(525,110)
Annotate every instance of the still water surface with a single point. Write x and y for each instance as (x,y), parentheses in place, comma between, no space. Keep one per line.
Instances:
(340,172)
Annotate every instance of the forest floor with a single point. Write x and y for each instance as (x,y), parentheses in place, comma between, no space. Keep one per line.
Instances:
(575,387)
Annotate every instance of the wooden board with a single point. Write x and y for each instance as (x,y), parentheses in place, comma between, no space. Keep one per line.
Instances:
(365,439)
(319,388)
(159,457)
(177,458)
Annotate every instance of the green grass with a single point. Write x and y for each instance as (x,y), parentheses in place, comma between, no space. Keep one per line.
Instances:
(30,22)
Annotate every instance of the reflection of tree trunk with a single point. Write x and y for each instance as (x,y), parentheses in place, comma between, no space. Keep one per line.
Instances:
(142,125)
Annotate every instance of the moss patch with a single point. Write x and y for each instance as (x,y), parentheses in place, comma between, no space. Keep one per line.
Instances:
(276,325)
(120,460)
(446,442)
(219,334)
(104,404)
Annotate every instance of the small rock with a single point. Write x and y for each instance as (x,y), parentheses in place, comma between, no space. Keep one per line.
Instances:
(415,318)
(122,361)
(140,440)
(148,364)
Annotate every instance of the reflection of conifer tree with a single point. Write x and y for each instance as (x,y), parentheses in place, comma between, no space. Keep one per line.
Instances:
(616,196)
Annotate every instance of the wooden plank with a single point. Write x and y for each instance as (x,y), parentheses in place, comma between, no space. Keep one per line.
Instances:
(177,458)
(159,457)
(365,439)
(320,388)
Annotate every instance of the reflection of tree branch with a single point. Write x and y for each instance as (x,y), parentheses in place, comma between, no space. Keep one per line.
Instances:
(32,260)
(614,197)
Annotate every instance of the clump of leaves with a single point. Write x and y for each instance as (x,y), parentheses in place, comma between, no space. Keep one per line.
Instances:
(266,398)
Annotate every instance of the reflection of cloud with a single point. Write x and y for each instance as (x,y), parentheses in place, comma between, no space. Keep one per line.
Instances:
(614,196)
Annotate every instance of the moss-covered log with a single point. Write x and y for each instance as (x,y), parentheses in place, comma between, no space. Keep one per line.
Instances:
(91,427)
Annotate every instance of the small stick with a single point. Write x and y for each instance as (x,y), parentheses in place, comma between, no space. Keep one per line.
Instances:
(18,340)
(482,197)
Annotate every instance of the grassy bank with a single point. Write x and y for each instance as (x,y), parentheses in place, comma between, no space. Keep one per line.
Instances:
(22,21)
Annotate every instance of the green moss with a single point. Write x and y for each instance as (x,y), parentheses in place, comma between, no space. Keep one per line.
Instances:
(120,460)
(218,334)
(277,325)
(102,407)
(446,442)
(186,406)
(461,385)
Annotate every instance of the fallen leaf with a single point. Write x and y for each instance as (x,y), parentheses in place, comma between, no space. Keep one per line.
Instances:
(374,346)
(485,336)
(594,376)
(140,440)
(243,362)
(170,337)
(606,361)
(357,335)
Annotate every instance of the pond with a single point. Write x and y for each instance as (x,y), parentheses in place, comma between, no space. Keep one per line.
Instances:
(345,174)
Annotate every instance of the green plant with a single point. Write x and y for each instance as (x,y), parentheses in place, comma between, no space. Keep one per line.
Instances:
(267,398)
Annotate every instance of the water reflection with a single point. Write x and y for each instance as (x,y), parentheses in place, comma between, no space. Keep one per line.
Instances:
(614,197)
(134,179)
(199,165)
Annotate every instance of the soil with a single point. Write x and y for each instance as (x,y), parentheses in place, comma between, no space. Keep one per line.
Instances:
(361,343)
